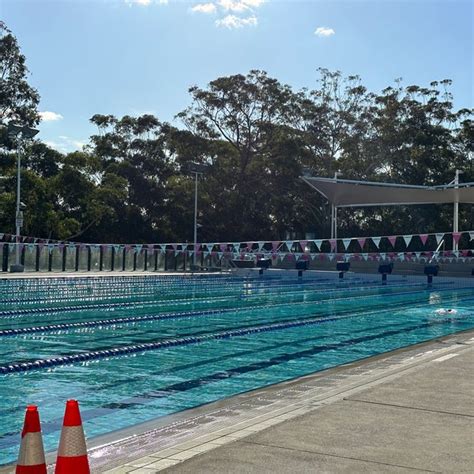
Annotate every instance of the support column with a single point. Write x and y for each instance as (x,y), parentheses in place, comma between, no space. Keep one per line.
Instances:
(456,210)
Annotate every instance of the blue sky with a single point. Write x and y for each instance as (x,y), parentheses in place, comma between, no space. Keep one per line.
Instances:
(141,56)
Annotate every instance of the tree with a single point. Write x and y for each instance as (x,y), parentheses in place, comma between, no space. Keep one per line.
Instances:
(245,116)
(18,100)
(133,148)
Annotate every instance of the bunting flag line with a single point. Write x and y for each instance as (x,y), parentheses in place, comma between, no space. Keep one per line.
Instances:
(299,249)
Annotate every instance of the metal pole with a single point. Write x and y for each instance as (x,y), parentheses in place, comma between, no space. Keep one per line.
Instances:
(334,217)
(456,211)
(18,201)
(332,221)
(195,217)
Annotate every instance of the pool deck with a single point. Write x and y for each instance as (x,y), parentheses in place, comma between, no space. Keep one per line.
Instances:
(406,411)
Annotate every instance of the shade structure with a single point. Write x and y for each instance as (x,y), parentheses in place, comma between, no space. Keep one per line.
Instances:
(349,193)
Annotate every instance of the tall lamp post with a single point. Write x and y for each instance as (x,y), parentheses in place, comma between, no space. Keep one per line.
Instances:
(334,214)
(197,170)
(22,134)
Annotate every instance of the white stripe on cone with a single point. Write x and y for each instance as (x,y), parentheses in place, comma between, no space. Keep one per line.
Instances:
(72,442)
(31,450)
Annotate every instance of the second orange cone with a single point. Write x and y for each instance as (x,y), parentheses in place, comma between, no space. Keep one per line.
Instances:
(72,451)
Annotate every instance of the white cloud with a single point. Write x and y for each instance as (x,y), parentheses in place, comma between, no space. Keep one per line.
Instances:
(232,22)
(233,6)
(204,8)
(323,31)
(239,5)
(48,116)
(253,3)
(232,13)
(65,144)
(145,3)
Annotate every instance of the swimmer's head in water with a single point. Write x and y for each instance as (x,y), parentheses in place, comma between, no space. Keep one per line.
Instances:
(446,311)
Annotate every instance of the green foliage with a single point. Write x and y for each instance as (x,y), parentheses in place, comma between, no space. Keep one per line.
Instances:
(18,100)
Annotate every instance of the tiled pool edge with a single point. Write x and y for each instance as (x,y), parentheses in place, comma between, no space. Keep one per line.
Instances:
(165,442)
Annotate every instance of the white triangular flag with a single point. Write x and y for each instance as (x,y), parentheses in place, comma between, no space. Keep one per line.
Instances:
(376,241)
(346,243)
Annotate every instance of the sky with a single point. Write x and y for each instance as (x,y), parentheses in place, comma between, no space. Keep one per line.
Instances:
(129,57)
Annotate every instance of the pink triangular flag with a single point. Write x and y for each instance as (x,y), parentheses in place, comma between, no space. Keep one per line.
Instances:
(456,236)
(423,238)
(392,239)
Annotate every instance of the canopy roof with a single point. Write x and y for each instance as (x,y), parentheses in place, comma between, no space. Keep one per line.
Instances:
(349,193)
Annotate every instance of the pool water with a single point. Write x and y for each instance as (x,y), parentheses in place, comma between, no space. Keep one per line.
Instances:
(184,341)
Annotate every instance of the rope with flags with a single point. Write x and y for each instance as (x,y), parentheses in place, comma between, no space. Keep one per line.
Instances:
(409,248)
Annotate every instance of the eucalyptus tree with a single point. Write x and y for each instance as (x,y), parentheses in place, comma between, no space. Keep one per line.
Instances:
(133,149)
(18,100)
(258,164)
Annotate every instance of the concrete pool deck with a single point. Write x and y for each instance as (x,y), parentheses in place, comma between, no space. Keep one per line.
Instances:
(409,410)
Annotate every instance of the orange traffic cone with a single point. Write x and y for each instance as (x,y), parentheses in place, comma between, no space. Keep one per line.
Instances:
(31,458)
(72,451)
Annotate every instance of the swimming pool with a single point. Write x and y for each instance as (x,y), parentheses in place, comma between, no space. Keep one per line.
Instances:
(131,349)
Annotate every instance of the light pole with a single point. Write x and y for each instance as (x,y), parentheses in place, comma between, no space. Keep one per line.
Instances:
(22,133)
(334,213)
(197,170)
(456,209)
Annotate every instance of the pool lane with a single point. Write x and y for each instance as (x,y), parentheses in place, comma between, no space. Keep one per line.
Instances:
(27,348)
(26,317)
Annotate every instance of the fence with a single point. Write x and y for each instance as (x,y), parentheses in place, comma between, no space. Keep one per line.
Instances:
(52,256)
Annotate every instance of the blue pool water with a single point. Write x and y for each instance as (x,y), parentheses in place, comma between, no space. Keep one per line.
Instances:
(131,349)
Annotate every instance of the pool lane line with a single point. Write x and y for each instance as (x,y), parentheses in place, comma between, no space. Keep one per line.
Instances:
(152,294)
(105,305)
(237,289)
(150,346)
(256,285)
(178,315)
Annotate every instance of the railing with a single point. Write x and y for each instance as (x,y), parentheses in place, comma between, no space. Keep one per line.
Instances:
(53,256)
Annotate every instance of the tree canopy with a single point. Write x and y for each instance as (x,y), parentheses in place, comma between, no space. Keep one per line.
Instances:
(256,134)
